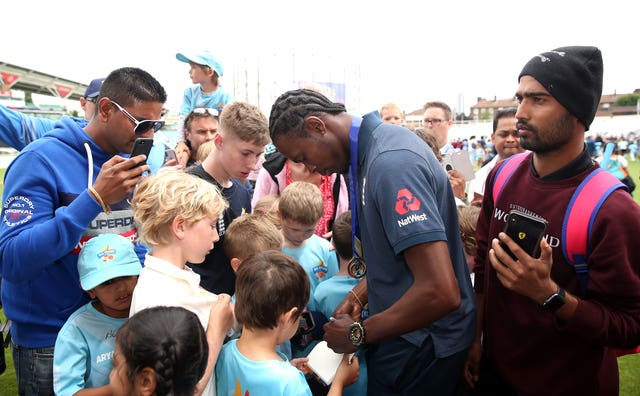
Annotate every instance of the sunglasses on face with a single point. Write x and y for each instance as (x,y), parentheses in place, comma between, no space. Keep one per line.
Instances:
(140,126)
(206,110)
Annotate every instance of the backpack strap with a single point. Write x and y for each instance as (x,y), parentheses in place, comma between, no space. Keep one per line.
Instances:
(579,218)
(273,163)
(504,172)
(336,197)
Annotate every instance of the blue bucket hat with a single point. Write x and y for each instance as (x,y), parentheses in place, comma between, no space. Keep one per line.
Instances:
(202,58)
(93,89)
(106,257)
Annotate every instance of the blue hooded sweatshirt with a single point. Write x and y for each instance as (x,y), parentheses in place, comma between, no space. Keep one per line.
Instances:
(47,216)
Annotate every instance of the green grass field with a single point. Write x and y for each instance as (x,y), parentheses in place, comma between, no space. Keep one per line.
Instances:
(629,365)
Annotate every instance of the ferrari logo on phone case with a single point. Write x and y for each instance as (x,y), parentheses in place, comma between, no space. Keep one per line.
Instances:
(522,235)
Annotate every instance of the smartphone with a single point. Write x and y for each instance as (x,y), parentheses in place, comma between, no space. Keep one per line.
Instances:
(526,230)
(142,146)
(307,324)
(169,155)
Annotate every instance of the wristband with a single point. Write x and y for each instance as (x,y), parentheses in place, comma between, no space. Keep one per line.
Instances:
(356,297)
(98,199)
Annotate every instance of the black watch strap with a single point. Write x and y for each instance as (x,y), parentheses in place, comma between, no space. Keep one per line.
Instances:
(555,301)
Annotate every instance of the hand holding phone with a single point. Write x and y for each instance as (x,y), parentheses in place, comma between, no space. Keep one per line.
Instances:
(525,230)
(142,146)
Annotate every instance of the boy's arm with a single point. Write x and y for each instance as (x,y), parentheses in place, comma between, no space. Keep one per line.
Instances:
(346,375)
(221,318)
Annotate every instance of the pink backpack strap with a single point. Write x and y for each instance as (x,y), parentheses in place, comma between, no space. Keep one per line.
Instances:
(504,172)
(580,216)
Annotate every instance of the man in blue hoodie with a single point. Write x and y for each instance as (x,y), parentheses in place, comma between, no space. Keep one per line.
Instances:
(63,189)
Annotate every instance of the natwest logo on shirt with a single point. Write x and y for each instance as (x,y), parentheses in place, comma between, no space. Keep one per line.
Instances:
(406,202)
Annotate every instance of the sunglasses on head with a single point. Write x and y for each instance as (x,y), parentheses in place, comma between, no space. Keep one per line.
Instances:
(206,110)
(140,126)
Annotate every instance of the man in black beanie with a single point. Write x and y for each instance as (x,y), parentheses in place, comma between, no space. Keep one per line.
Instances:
(546,327)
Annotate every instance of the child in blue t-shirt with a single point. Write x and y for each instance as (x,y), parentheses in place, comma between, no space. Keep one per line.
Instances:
(329,294)
(205,72)
(108,266)
(300,208)
(272,291)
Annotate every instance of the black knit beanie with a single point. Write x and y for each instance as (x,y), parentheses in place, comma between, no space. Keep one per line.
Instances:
(573,76)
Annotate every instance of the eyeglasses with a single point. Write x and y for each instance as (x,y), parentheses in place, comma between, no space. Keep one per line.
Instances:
(206,110)
(141,126)
(432,121)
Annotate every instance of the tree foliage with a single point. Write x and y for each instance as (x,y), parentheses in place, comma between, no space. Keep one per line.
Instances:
(628,100)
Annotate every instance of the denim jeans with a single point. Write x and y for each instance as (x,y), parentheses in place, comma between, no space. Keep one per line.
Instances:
(34,370)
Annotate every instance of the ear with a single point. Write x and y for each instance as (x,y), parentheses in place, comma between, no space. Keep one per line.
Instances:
(145,382)
(287,316)
(314,125)
(235,263)
(105,109)
(178,227)
(218,139)
(92,294)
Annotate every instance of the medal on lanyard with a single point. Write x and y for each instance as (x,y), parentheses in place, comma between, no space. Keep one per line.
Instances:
(357,267)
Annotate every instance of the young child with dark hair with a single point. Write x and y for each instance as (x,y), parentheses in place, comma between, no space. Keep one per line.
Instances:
(272,291)
(329,294)
(160,351)
(108,267)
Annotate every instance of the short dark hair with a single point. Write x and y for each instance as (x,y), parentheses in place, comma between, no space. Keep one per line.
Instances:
(503,113)
(290,109)
(130,84)
(342,236)
(171,341)
(269,284)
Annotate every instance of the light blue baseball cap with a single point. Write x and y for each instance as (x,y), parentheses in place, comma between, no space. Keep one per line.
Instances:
(106,257)
(202,58)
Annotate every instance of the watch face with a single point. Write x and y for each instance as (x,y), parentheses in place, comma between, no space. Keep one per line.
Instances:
(356,335)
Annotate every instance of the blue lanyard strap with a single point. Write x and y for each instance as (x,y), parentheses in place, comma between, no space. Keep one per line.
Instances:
(353,185)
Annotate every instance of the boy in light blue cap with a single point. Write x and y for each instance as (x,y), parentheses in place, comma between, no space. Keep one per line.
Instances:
(205,71)
(83,354)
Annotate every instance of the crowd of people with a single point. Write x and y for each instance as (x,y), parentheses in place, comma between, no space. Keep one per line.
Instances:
(183,275)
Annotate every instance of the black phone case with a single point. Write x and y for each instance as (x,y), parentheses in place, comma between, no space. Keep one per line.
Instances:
(142,146)
(527,231)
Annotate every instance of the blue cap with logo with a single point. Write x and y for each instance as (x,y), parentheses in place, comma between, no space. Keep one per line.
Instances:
(106,257)
(93,89)
(202,58)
